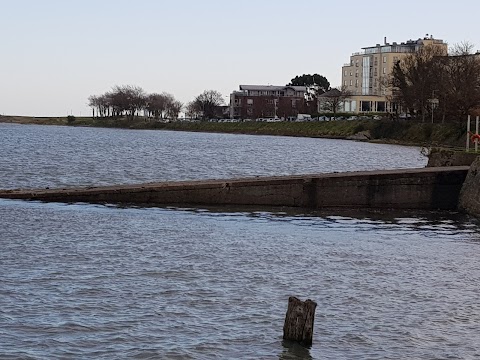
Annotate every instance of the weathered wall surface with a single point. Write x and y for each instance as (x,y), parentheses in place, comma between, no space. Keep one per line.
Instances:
(443,157)
(470,194)
(429,188)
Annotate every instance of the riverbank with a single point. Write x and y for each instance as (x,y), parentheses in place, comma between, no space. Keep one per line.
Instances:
(398,132)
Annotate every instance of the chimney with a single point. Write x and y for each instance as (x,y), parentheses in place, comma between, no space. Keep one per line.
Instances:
(385,40)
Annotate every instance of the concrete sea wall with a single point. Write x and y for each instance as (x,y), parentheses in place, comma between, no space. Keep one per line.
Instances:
(446,157)
(469,200)
(428,188)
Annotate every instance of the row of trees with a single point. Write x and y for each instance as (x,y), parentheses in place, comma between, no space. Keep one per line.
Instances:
(130,101)
(429,83)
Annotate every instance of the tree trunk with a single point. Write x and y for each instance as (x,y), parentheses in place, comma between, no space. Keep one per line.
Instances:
(299,321)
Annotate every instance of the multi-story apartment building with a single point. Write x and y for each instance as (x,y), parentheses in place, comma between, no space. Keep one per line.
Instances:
(267,101)
(367,73)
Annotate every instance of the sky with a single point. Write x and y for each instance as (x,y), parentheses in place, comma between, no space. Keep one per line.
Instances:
(54,54)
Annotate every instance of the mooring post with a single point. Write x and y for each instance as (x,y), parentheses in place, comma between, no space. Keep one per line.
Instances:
(299,321)
(476,132)
(468,133)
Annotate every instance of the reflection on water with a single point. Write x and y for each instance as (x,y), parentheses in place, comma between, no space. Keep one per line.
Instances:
(88,281)
(293,351)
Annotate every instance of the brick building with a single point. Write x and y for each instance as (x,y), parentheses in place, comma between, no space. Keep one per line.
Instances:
(267,101)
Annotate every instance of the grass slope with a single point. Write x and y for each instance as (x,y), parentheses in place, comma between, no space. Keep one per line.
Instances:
(401,132)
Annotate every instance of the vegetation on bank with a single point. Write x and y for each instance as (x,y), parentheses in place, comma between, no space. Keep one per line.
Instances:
(400,132)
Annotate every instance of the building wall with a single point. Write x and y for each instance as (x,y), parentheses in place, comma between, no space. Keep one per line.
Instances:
(267,102)
(367,73)
(253,107)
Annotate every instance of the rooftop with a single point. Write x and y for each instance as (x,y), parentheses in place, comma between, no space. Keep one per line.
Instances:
(403,47)
(271,88)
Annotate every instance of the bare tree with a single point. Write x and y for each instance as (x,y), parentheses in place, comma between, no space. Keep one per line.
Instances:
(333,100)
(429,79)
(129,99)
(173,109)
(193,110)
(158,104)
(207,102)
(415,79)
(461,85)
(94,104)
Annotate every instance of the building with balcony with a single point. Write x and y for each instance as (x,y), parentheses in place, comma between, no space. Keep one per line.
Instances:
(367,73)
(267,101)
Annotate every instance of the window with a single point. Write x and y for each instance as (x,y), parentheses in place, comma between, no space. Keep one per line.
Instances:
(345,83)
(351,73)
(384,60)
(344,72)
(294,102)
(351,82)
(249,111)
(249,101)
(365,106)
(384,70)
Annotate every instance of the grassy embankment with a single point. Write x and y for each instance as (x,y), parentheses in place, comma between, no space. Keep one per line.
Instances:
(400,132)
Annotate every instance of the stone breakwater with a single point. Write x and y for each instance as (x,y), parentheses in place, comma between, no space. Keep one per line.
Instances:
(426,189)
(469,201)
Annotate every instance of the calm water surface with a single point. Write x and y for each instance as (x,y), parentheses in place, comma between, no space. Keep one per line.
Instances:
(106,282)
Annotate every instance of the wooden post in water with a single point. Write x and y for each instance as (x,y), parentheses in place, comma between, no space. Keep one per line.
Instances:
(299,321)
(468,133)
(476,132)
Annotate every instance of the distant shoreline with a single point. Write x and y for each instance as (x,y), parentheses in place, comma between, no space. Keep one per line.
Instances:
(389,132)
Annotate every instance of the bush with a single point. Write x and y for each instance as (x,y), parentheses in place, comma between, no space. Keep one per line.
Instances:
(70,119)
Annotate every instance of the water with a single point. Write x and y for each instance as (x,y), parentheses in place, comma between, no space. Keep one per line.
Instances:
(108,282)
(51,156)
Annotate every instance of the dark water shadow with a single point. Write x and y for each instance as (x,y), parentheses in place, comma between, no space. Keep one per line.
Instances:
(294,351)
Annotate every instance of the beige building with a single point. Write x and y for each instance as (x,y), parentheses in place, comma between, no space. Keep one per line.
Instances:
(366,74)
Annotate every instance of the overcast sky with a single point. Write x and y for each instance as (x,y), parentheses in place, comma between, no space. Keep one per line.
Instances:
(55,53)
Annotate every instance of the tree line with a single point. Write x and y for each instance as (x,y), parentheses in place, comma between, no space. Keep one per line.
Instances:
(431,84)
(130,101)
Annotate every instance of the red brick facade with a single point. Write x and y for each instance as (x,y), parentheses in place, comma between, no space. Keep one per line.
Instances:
(254,102)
